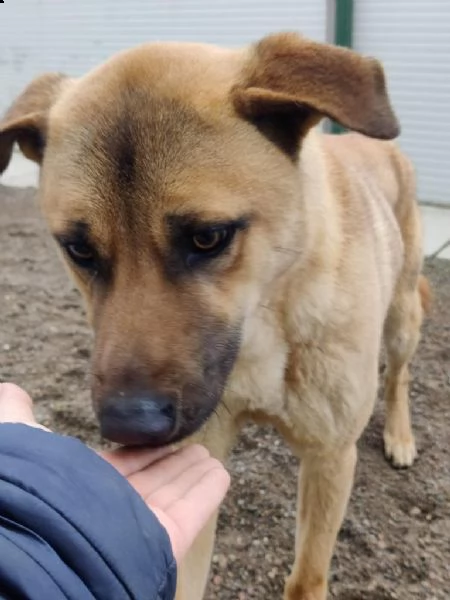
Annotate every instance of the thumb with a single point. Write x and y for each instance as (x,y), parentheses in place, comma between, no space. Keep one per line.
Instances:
(16,405)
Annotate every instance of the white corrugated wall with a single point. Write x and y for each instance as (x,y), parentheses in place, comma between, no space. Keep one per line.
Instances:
(74,35)
(412,38)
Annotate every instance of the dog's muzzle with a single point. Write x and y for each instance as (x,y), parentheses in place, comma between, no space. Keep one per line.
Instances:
(138,419)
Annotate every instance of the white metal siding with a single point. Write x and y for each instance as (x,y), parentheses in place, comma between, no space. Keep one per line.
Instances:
(412,38)
(72,36)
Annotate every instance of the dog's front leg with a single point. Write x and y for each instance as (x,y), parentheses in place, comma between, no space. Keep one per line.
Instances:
(194,570)
(325,483)
(218,436)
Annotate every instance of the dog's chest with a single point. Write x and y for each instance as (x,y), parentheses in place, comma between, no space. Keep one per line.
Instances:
(310,390)
(257,381)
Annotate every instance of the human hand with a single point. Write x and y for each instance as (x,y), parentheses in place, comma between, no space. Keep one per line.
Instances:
(183,488)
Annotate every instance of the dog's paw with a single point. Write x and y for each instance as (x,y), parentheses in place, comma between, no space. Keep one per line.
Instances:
(295,590)
(400,452)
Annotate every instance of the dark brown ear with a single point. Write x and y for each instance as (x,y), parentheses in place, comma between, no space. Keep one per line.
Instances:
(293,82)
(26,120)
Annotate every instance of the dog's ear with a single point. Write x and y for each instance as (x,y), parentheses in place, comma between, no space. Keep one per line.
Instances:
(26,120)
(289,83)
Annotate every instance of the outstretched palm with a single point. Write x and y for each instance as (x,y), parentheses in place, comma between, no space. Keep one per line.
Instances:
(182,488)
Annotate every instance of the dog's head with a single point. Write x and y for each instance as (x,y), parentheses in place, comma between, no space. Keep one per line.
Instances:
(169,176)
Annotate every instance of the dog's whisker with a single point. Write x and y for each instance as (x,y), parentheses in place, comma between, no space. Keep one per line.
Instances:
(92,280)
(287,250)
(233,393)
(224,404)
(266,307)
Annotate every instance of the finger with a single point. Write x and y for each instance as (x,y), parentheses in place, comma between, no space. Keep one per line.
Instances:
(169,468)
(16,406)
(131,460)
(179,486)
(187,516)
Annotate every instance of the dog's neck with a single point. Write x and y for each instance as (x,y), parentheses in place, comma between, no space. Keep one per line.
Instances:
(317,250)
(287,312)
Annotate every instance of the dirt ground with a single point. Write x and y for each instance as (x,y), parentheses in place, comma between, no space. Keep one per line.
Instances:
(395,541)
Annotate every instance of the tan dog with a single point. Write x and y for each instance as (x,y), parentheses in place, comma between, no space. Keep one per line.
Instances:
(233,259)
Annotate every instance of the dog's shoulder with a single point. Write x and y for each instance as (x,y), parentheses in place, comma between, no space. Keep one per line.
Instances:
(365,157)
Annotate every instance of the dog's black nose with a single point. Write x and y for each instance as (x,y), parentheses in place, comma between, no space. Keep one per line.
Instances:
(138,419)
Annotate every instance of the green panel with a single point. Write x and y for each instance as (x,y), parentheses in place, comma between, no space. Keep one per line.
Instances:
(343,36)
(343,23)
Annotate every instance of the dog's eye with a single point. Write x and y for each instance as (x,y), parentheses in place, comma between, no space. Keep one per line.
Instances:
(211,239)
(208,239)
(81,254)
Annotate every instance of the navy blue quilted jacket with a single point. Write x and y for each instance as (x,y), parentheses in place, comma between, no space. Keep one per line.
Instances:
(72,528)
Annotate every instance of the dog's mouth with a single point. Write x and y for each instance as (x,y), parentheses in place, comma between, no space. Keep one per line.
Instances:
(146,406)
(154,420)
(146,418)
(139,418)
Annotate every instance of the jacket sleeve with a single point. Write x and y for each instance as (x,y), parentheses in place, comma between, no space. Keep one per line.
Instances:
(71,527)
